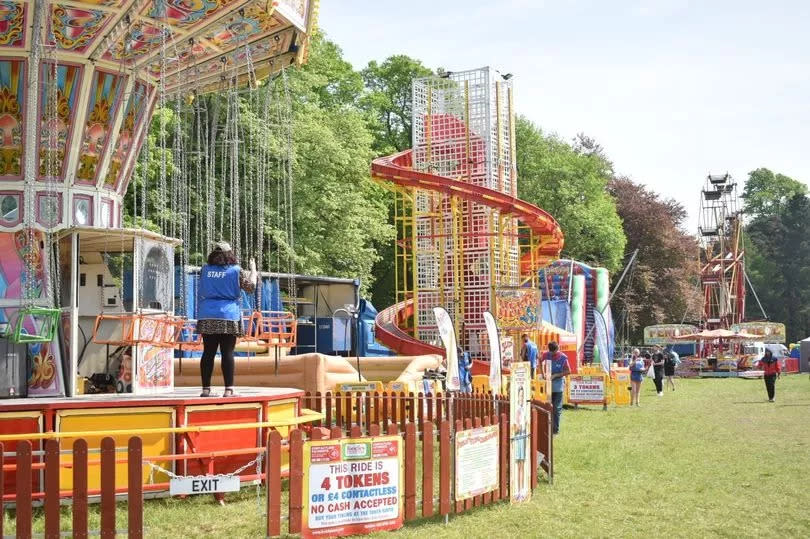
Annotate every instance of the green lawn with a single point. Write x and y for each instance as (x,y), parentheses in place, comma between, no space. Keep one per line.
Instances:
(710,459)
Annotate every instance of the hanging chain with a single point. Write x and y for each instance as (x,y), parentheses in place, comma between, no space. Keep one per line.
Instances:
(288,183)
(51,171)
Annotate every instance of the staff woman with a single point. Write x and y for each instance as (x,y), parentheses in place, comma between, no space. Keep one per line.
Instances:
(220,313)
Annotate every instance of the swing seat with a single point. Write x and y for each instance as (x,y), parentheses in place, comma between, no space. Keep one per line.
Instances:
(156,329)
(45,322)
(188,338)
(276,328)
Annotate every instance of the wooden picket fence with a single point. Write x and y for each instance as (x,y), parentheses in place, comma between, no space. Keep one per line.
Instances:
(427,424)
(24,462)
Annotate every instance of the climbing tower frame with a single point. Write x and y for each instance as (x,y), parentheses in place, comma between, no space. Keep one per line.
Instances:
(451,252)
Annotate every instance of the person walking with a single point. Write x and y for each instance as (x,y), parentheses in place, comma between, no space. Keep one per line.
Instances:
(771,370)
(529,353)
(636,376)
(671,361)
(559,370)
(658,370)
(220,313)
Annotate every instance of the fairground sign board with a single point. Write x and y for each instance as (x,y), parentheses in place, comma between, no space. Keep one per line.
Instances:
(352,486)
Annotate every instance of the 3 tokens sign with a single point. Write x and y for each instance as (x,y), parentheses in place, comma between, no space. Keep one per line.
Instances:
(352,486)
(586,389)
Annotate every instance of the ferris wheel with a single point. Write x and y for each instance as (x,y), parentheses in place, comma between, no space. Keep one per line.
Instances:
(722,256)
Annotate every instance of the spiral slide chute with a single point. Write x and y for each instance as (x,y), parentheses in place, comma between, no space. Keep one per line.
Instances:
(398,170)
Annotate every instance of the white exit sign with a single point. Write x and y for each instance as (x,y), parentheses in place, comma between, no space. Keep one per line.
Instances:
(203,484)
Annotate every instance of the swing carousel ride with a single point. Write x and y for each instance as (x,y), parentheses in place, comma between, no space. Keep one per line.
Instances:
(81,291)
(79,83)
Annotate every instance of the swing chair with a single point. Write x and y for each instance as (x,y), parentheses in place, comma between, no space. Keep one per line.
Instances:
(158,329)
(276,328)
(44,320)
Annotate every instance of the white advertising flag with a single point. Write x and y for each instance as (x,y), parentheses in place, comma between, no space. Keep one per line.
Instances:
(448,335)
(494,353)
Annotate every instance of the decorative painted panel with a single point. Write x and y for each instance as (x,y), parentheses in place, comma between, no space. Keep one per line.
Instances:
(76,29)
(105,97)
(12,101)
(12,24)
(134,114)
(49,209)
(56,127)
(185,14)
(82,210)
(11,208)
(15,246)
(138,42)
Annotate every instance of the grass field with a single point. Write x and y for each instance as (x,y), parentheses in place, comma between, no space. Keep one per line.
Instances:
(712,459)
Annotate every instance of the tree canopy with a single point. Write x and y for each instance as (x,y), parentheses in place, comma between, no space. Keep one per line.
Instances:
(570,183)
(663,286)
(778,250)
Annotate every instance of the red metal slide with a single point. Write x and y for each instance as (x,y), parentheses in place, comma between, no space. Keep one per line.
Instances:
(398,169)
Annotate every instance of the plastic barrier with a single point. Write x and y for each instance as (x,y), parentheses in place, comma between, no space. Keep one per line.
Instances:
(620,380)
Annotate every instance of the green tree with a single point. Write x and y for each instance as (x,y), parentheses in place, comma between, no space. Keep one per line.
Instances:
(388,100)
(663,285)
(767,193)
(570,185)
(778,265)
(338,213)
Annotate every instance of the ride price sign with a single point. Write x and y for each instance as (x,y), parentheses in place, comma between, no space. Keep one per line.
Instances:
(586,389)
(352,486)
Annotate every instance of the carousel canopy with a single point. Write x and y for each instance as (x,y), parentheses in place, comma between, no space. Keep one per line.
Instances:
(718,334)
(79,81)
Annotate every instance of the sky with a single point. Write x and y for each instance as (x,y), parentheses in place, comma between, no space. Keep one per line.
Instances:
(672,89)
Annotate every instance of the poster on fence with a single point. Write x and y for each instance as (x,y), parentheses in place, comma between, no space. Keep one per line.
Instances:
(352,486)
(519,422)
(476,461)
(586,389)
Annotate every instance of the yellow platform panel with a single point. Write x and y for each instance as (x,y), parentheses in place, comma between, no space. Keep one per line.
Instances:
(101,419)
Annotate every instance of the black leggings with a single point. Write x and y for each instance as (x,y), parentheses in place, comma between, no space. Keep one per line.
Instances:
(770,385)
(226,344)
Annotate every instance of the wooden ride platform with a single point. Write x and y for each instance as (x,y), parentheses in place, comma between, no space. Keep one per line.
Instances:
(186,451)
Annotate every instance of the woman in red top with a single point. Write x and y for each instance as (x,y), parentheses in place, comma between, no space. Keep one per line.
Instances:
(772,371)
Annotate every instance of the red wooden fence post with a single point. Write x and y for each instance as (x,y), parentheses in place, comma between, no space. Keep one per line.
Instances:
(384,411)
(273,475)
(410,471)
(80,488)
(135,487)
(339,409)
(52,489)
(328,410)
(504,467)
(459,428)
(336,433)
(427,468)
(420,410)
(358,403)
(374,430)
(376,419)
(296,502)
(356,431)
(535,431)
(444,468)
(368,411)
(108,488)
(23,489)
(403,411)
